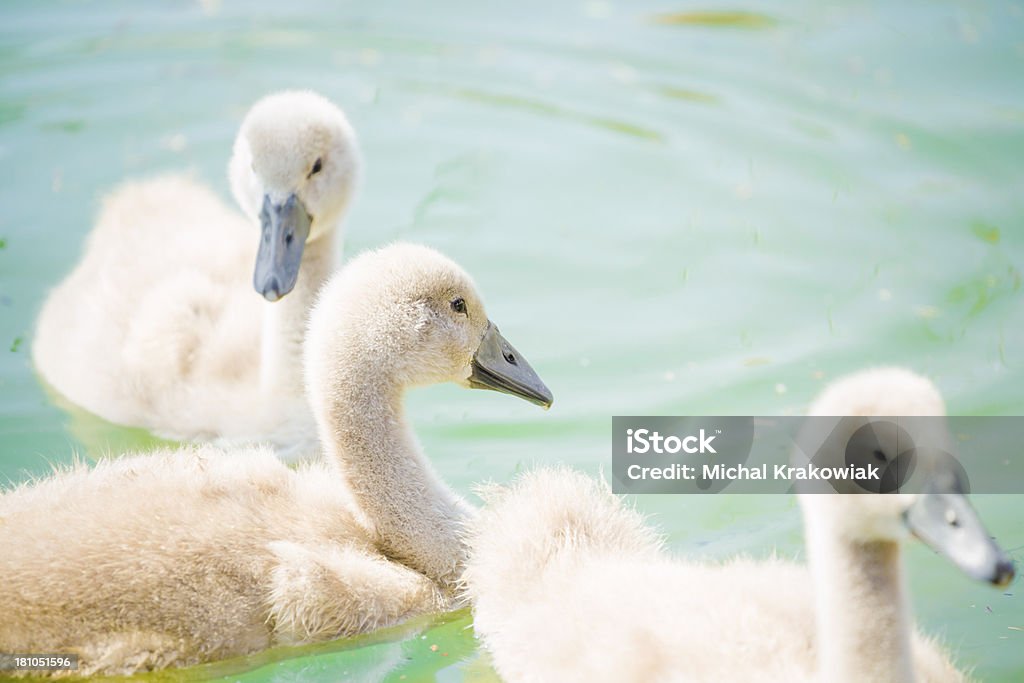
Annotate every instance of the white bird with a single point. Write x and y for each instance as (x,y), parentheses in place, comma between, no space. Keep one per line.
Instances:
(568,584)
(179,557)
(158,325)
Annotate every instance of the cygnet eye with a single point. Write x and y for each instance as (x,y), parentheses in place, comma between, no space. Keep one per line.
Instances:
(317,166)
(459,305)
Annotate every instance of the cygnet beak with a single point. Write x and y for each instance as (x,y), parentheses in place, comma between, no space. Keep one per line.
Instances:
(943,518)
(499,367)
(285,227)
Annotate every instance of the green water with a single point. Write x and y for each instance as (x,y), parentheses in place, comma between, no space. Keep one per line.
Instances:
(671,208)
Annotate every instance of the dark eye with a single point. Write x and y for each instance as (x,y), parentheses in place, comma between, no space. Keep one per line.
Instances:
(317,165)
(459,305)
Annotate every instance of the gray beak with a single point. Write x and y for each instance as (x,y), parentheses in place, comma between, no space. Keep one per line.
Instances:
(499,367)
(285,228)
(943,518)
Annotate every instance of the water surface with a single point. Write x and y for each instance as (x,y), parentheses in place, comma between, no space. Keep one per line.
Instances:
(671,208)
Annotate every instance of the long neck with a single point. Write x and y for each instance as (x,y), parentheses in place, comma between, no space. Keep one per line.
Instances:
(284,321)
(417,519)
(863,619)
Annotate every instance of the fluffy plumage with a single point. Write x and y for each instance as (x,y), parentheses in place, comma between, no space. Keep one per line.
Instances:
(180,557)
(158,325)
(568,584)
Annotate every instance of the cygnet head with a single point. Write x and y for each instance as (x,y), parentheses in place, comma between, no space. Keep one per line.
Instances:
(294,168)
(921,490)
(405,315)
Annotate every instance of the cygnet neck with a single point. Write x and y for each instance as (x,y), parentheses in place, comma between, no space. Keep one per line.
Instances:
(284,321)
(864,627)
(418,520)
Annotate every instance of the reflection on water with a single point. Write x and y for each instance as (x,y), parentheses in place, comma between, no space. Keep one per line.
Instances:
(98,437)
(674,209)
(415,650)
